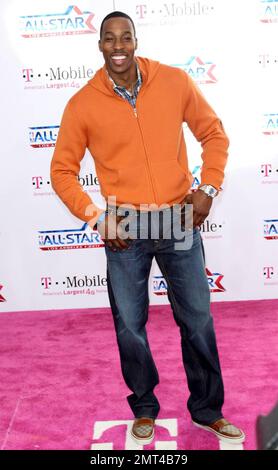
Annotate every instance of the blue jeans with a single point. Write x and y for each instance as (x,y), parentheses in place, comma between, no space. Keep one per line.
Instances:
(188,292)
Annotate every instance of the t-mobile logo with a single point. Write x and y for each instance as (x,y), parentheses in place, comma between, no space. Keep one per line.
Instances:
(268,272)
(46,282)
(28,74)
(266,169)
(141,11)
(101,427)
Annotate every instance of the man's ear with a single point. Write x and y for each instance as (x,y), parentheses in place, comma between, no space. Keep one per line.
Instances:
(99,46)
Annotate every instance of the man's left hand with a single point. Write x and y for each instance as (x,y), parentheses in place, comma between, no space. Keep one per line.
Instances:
(201,206)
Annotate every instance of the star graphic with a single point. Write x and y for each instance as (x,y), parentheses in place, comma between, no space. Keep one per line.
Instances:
(214,280)
(204,75)
(1,296)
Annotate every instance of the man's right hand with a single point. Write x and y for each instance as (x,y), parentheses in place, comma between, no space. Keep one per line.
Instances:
(110,232)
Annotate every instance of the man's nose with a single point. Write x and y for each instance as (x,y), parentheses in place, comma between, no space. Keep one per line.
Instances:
(118,43)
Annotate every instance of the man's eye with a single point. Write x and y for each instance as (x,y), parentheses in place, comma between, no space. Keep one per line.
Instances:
(108,39)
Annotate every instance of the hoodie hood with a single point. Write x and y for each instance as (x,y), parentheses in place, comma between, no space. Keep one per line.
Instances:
(148,69)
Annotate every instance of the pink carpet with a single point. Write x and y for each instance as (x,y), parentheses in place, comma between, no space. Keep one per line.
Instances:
(61,378)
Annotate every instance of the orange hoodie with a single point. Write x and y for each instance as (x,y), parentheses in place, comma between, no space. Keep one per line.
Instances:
(140,156)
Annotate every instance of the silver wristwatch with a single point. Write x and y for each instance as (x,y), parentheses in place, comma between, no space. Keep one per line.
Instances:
(209,190)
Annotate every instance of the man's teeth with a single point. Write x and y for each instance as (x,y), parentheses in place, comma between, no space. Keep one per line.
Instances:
(118,57)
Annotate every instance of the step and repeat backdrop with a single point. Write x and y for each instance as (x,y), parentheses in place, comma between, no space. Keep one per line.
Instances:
(49,50)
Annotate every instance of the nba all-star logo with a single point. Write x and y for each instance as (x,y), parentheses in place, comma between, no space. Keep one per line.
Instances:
(271,229)
(69,239)
(159,283)
(200,71)
(214,281)
(270,124)
(72,21)
(196,173)
(2,299)
(43,136)
(269,11)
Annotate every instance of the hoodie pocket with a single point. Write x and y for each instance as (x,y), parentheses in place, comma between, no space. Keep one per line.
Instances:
(133,185)
(171,181)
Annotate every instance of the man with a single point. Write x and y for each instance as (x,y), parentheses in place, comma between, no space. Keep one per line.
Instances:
(130,117)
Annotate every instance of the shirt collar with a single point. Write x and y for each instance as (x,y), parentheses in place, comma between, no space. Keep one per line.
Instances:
(137,84)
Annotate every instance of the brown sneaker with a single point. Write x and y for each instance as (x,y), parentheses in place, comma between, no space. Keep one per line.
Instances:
(142,431)
(224,430)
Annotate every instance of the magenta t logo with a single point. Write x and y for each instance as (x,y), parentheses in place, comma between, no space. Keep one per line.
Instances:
(37,181)
(266,169)
(141,11)
(264,59)
(46,282)
(268,272)
(28,74)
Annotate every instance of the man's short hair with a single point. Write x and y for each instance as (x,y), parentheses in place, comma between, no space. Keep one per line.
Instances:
(116,14)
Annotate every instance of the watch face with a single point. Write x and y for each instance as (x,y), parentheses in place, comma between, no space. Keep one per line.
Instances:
(209,190)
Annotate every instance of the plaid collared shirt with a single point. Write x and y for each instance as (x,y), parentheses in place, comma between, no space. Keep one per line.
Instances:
(124,93)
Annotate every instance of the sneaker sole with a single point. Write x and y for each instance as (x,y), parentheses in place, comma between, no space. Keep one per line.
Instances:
(142,441)
(229,440)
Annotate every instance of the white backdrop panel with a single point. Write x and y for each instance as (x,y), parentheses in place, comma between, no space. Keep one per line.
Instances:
(49,259)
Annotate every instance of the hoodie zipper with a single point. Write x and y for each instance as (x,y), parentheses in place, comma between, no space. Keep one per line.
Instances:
(141,133)
(146,155)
